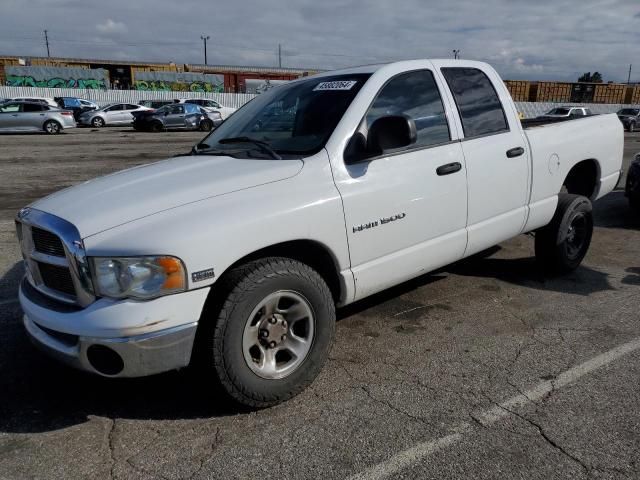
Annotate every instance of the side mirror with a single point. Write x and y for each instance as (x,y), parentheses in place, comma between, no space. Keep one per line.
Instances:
(386,133)
(391,132)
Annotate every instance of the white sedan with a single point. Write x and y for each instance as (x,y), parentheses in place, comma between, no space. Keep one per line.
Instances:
(113,114)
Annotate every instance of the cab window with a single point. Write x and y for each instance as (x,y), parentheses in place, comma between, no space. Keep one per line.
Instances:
(416,95)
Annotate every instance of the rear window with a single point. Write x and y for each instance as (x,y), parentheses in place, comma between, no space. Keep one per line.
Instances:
(478,103)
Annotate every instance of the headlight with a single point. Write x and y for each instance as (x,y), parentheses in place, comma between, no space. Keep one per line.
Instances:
(138,277)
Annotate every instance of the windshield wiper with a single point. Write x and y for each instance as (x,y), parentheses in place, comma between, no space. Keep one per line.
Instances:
(264,146)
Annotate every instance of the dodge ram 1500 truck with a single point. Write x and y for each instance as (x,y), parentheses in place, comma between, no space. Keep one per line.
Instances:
(315,194)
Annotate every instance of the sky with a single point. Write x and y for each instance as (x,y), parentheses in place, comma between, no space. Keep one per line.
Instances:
(522,39)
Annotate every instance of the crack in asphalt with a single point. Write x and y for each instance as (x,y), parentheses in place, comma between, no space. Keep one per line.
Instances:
(110,444)
(212,448)
(540,430)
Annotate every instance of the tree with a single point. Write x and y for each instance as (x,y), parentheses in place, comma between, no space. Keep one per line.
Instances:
(587,77)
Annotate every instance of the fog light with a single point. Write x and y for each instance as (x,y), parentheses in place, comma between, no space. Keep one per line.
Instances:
(105,360)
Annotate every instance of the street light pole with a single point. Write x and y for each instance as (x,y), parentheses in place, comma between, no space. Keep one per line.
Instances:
(456,54)
(204,39)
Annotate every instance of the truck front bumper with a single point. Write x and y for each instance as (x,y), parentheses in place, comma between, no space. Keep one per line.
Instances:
(135,355)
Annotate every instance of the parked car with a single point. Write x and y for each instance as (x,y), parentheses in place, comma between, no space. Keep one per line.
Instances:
(209,105)
(238,254)
(46,100)
(88,104)
(185,116)
(34,117)
(566,112)
(629,117)
(155,103)
(113,114)
(632,188)
(75,105)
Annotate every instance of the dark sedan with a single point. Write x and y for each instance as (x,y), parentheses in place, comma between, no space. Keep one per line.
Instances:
(629,118)
(183,116)
(632,189)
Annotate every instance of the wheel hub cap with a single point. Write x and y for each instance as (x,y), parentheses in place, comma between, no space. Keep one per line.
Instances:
(278,334)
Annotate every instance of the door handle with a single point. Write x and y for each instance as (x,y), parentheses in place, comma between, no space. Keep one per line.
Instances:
(449,168)
(515,152)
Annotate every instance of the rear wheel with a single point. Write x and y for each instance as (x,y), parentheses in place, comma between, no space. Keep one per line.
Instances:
(562,245)
(273,332)
(156,127)
(632,127)
(206,125)
(97,122)
(52,127)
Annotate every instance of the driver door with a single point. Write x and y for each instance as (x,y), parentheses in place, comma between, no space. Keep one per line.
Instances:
(405,214)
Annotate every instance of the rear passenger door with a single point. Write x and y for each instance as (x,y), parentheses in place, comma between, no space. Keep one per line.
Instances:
(32,116)
(10,115)
(496,156)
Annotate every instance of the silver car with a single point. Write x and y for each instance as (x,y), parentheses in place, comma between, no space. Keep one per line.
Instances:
(113,114)
(34,117)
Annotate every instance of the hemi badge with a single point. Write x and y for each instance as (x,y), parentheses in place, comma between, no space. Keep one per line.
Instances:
(202,275)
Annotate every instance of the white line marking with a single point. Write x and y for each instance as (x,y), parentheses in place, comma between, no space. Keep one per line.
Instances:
(422,450)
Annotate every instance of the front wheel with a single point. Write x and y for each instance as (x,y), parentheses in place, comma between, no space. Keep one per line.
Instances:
(52,127)
(273,333)
(562,245)
(97,122)
(206,125)
(632,127)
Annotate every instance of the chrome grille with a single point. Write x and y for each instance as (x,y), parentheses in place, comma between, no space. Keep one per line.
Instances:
(54,257)
(47,242)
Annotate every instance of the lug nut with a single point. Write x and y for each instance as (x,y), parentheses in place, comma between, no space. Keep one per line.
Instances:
(272,344)
(284,323)
(264,333)
(283,338)
(272,320)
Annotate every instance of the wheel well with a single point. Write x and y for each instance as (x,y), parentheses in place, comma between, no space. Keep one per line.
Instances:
(309,252)
(582,179)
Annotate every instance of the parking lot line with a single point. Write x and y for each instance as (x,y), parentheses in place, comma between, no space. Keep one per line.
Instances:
(415,454)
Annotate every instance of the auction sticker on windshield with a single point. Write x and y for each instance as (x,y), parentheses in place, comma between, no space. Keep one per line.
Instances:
(337,85)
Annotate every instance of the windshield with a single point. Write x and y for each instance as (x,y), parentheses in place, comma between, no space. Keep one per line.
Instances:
(293,119)
(628,111)
(558,111)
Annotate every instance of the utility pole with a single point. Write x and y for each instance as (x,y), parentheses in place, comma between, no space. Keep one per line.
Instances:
(204,39)
(456,54)
(629,77)
(46,40)
(279,56)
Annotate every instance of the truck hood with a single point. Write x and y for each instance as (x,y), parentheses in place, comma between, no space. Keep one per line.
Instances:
(122,197)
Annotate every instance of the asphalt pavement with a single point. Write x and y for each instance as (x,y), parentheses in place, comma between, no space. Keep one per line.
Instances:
(484,369)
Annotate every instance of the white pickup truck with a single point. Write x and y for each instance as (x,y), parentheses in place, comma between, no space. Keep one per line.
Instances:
(315,194)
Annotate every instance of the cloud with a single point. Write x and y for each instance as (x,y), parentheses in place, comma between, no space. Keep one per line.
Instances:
(109,26)
(544,39)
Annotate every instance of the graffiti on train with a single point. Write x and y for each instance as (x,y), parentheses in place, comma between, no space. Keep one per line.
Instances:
(164,86)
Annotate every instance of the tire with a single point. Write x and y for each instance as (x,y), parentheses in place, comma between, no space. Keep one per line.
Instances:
(634,202)
(97,122)
(632,127)
(562,245)
(156,127)
(206,125)
(52,127)
(236,347)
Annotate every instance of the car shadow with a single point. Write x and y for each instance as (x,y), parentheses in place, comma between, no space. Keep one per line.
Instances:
(614,211)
